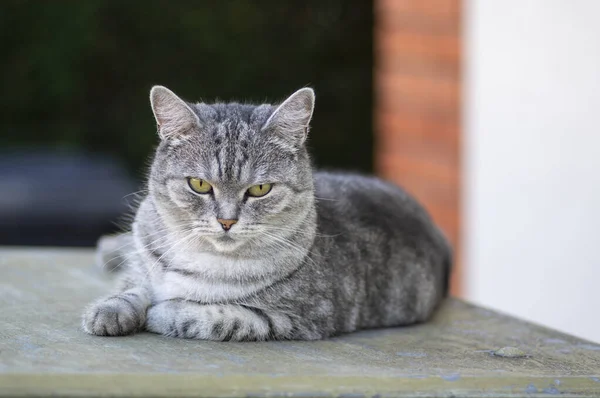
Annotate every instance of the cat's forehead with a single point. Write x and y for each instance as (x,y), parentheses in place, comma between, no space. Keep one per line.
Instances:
(232,116)
(231,147)
(233,125)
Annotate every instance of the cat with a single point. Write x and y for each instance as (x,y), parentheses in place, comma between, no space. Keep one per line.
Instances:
(238,239)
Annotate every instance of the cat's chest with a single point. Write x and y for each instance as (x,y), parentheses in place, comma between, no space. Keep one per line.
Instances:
(210,278)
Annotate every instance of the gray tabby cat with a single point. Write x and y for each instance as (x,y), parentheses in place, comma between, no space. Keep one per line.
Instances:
(238,239)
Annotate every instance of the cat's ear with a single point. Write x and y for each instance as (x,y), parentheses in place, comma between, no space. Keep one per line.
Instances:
(291,119)
(174,117)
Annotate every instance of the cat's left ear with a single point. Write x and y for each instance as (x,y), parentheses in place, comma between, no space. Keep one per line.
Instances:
(173,116)
(291,119)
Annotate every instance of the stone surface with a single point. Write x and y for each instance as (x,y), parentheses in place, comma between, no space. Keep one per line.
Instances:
(43,351)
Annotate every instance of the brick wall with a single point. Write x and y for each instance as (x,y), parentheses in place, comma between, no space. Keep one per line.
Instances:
(417,105)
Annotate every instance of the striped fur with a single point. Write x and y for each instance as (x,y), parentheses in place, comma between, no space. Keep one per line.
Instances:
(321,254)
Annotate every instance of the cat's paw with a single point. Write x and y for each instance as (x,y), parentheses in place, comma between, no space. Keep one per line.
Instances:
(115,316)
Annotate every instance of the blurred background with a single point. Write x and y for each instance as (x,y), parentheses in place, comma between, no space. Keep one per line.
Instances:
(77,129)
(486,111)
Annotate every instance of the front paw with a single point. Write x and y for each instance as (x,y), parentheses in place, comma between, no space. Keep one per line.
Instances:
(115,316)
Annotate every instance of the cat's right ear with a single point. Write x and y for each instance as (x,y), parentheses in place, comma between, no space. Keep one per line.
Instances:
(174,117)
(290,120)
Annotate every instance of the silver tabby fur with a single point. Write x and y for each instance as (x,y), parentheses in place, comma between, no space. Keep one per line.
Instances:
(321,254)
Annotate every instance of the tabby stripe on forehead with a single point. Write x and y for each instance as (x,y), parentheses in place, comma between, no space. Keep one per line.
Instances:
(243,161)
(240,164)
(219,172)
(229,165)
(226,167)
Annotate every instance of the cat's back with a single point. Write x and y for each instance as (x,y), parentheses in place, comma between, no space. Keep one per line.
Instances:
(371,213)
(359,201)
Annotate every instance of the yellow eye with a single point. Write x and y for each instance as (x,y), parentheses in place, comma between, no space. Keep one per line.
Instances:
(259,190)
(199,186)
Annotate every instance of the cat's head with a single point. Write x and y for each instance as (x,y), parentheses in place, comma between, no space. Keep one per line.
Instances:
(230,176)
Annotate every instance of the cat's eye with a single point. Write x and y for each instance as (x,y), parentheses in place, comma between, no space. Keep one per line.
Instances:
(259,190)
(199,186)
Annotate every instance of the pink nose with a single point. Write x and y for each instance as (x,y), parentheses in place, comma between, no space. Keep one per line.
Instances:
(226,224)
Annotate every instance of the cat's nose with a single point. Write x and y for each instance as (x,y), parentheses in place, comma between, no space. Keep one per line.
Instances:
(226,224)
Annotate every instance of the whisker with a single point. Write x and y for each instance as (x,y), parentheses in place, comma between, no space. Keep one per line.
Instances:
(178,242)
(330,199)
(130,254)
(299,231)
(287,243)
(134,193)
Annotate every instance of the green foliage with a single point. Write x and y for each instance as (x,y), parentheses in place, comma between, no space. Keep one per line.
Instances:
(77,73)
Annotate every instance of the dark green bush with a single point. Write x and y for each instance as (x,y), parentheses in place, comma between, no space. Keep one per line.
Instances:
(77,73)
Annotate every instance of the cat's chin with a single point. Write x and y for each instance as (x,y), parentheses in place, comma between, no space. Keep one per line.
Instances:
(226,244)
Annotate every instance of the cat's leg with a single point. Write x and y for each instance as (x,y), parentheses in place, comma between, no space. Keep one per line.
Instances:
(117,315)
(124,312)
(220,322)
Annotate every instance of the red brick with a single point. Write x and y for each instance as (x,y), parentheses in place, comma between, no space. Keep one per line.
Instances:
(397,168)
(417,106)
(393,89)
(450,9)
(432,66)
(404,124)
(443,47)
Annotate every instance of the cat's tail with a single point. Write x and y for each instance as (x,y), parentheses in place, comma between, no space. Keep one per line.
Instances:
(111,251)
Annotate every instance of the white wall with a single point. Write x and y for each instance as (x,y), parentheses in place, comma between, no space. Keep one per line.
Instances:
(532,166)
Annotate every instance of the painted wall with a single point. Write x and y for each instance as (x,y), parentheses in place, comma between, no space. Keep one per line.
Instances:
(532,160)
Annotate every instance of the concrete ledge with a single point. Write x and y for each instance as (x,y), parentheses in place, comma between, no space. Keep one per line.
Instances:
(43,352)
